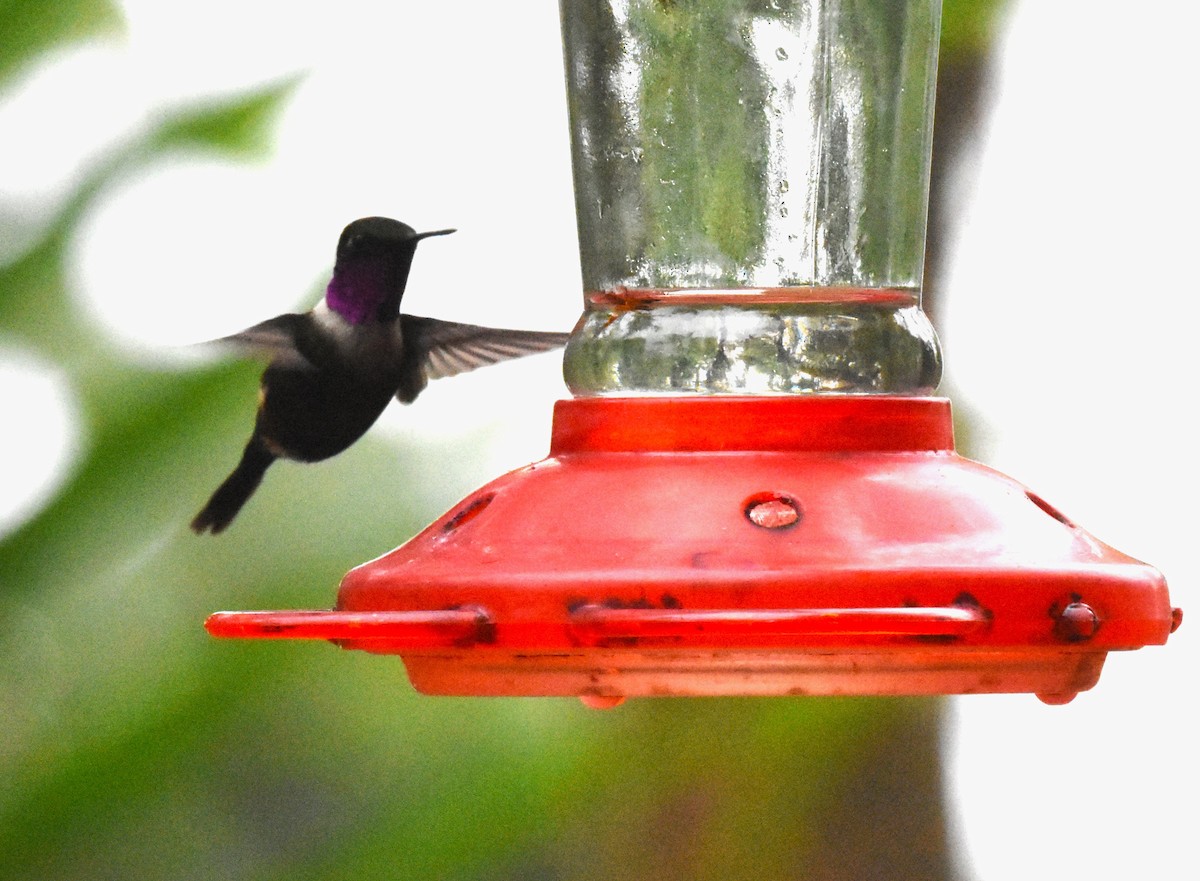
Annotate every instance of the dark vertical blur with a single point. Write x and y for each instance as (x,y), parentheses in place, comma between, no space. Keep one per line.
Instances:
(965,74)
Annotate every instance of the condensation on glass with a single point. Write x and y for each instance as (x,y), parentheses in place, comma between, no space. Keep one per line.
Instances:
(751,184)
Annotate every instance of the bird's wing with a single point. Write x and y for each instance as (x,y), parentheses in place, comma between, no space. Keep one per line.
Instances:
(276,338)
(434,349)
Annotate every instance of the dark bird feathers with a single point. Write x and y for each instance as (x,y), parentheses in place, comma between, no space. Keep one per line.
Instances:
(333,370)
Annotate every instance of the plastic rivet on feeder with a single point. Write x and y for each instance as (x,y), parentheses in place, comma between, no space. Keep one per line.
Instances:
(751,492)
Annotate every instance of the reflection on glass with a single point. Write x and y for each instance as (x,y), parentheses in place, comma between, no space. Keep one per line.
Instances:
(751,164)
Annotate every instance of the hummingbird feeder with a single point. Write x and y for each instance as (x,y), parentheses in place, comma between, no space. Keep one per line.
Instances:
(752,491)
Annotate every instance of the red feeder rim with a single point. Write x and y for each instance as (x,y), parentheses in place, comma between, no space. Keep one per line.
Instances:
(745,545)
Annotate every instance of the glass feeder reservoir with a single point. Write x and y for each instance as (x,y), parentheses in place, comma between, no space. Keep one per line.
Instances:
(751,491)
(751,187)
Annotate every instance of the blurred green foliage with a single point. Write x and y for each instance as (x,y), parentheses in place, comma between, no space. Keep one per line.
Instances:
(29,28)
(969,27)
(133,746)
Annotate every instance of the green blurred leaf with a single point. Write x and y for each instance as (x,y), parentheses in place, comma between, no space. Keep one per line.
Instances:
(239,128)
(969,26)
(30,28)
(34,301)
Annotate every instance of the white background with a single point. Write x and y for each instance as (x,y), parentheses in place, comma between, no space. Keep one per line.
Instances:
(1070,327)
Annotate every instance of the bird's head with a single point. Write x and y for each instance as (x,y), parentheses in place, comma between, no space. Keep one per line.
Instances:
(374,255)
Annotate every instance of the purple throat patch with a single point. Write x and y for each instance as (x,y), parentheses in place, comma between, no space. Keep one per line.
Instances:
(354,296)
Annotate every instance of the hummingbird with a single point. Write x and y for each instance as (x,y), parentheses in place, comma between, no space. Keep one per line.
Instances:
(334,369)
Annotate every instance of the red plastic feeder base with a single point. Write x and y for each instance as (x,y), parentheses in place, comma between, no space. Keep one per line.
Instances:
(745,546)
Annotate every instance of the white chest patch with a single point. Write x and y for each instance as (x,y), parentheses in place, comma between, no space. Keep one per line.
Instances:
(367,346)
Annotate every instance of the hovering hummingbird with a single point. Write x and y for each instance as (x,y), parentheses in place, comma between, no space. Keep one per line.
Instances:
(333,370)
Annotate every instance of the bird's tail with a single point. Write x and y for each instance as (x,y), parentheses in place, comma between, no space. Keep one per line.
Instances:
(236,490)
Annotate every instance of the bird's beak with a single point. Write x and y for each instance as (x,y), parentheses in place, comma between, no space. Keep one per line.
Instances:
(436,232)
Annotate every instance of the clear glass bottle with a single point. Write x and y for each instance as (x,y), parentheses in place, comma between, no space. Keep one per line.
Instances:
(751,183)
